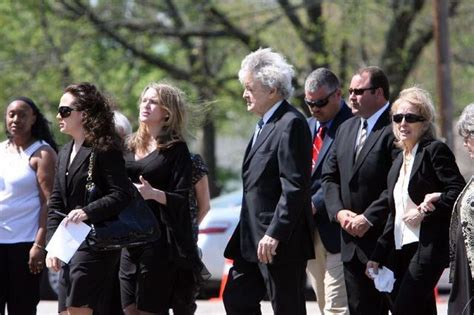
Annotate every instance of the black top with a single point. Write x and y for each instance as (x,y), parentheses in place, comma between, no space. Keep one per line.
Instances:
(170,171)
(70,181)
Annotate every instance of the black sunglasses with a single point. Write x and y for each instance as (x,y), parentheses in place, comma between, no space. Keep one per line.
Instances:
(361,91)
(65,111)
(409,118)
(319,103)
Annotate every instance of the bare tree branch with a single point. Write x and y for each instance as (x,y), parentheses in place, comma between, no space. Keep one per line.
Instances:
(250,41)
(401,56)
(84,10)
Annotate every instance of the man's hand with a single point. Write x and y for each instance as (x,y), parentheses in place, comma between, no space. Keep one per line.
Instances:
(313,208)
(267,249)
(359,225)
(344,218)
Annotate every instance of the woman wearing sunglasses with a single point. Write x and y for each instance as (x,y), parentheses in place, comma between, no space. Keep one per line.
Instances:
(85,115)
(422,186)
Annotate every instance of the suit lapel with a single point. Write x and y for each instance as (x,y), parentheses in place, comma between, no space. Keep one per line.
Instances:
(328,140)
(348,142)
(62,168)
(394,172)
(371,140)
(418,159)
(81,157)
(266,131)
(312,126)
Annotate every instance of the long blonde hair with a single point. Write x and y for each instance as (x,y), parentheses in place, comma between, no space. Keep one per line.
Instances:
(172,100)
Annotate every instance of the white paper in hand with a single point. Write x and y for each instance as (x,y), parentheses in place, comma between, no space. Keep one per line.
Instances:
(384,280)
(67,239)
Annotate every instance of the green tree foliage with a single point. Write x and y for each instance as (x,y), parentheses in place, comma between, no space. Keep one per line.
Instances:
(198,45)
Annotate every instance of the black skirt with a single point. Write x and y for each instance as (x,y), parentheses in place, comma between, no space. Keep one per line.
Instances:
(87,279)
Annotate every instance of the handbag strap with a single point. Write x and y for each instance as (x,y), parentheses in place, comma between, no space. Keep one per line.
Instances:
(89,183)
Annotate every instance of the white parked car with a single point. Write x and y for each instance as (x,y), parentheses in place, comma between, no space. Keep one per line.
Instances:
(215,231)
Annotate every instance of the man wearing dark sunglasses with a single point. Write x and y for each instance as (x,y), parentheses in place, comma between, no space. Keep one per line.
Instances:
(354,176)
(328,111)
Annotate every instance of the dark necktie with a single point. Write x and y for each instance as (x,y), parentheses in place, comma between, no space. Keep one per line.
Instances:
(259,128)
(317,143)
(361,139)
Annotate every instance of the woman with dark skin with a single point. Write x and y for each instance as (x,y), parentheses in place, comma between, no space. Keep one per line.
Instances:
(26,179)
(85,114)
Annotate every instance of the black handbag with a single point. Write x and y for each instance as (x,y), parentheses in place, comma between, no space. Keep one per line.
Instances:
(135,225)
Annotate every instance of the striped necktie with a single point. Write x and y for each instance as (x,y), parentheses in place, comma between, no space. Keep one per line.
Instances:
(317,143)
(361,139)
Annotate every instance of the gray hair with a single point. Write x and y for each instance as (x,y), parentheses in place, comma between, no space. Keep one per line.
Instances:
(321,77)
(270,68)
(122,124)
(466,121)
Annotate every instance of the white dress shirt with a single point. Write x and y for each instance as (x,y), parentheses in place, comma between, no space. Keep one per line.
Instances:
(404,233)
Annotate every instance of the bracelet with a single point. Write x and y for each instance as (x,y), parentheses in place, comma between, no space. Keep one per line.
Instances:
(39,246)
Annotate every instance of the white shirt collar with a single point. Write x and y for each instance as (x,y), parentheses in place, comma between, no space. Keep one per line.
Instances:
(269,113)
(372,120)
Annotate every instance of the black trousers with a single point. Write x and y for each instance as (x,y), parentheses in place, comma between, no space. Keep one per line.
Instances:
(363,297)
(248,283)
(414,289)
(19,288)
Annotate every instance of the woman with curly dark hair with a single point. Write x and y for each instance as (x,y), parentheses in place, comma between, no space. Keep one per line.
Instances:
(26,180)
(86,115)
(161,275)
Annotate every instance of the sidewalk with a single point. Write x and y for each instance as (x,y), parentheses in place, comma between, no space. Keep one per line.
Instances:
(217,308)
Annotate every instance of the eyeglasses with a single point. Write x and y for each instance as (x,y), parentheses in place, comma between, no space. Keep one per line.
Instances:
(361,91)
(467,136)
(409,118)
(320,103)
(65,111)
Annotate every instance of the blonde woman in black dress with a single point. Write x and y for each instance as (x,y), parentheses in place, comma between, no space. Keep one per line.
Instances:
(161,275)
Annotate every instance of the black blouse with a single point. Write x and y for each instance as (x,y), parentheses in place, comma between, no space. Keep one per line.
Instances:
(169,170)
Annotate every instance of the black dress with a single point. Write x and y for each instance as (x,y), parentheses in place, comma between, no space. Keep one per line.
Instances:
(151,276)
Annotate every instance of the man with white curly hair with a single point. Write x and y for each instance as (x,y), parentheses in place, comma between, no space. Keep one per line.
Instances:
(273,240)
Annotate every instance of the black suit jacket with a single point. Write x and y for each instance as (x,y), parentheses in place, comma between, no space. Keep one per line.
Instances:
(276,184)
(69,185)
(434,170)
(357,185)
(330,232)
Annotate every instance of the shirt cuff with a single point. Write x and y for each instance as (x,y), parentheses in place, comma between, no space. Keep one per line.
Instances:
(367,220)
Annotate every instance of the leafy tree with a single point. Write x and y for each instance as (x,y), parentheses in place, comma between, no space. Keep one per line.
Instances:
(121,45)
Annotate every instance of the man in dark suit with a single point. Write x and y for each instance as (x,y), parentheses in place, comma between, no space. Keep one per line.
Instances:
(273,241)
(328,111)
(354,176)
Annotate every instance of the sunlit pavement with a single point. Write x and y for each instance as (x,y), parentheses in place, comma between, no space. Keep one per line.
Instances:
(217,308)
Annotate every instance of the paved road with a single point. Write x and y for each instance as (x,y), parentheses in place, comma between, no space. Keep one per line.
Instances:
(216,308)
